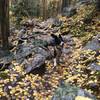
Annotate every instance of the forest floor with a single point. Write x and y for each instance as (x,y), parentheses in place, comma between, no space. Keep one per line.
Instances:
(80,64)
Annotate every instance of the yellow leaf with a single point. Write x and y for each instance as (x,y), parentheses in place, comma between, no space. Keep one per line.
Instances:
(72,78)
(82,98)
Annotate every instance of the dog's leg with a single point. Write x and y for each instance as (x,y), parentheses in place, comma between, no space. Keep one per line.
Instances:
(55,62)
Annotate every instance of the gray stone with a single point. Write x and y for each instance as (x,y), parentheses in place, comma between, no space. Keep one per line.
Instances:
(80,93)
(22,52)
(95,66)
(69,11)
(37,61)
(69,92)
(94,44)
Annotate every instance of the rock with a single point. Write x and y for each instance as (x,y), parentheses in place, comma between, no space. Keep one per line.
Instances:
(22,52)
(54,22)
(94,44)
(95,66)
(94,86)
(43,51)
(80,92)
(71,43)
(66,51)
(91,59)
(37,61)
(69,11)
(69,92)
(85,1)
(6,61)
(40,42)
(67,38)
(66,97)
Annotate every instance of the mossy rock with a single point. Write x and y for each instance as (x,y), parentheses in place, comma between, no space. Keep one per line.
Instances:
(69,92)
(39,42)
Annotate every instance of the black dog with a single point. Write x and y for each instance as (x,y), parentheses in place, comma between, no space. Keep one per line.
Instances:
(58,47)
(57,39)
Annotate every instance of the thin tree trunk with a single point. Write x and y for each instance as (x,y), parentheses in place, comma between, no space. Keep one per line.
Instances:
(98,4)
(59,6)
(4,21)
(44,5)
(65,3)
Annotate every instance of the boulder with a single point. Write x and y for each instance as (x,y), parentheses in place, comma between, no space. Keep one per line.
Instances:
(69,11)
(69,92)
(36,62)
(94,44)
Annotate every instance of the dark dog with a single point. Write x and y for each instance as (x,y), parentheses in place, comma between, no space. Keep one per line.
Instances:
(58,47)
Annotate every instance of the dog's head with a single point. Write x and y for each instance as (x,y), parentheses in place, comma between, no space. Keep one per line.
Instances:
(58,40)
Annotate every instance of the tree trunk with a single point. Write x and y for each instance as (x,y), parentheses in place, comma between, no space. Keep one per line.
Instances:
(44,5)
(65,3)
(4,22)
(59,6)
(98,4)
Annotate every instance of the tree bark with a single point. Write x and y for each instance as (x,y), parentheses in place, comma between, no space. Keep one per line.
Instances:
(44,5)
(98,4)
(65,3)
(4,22)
